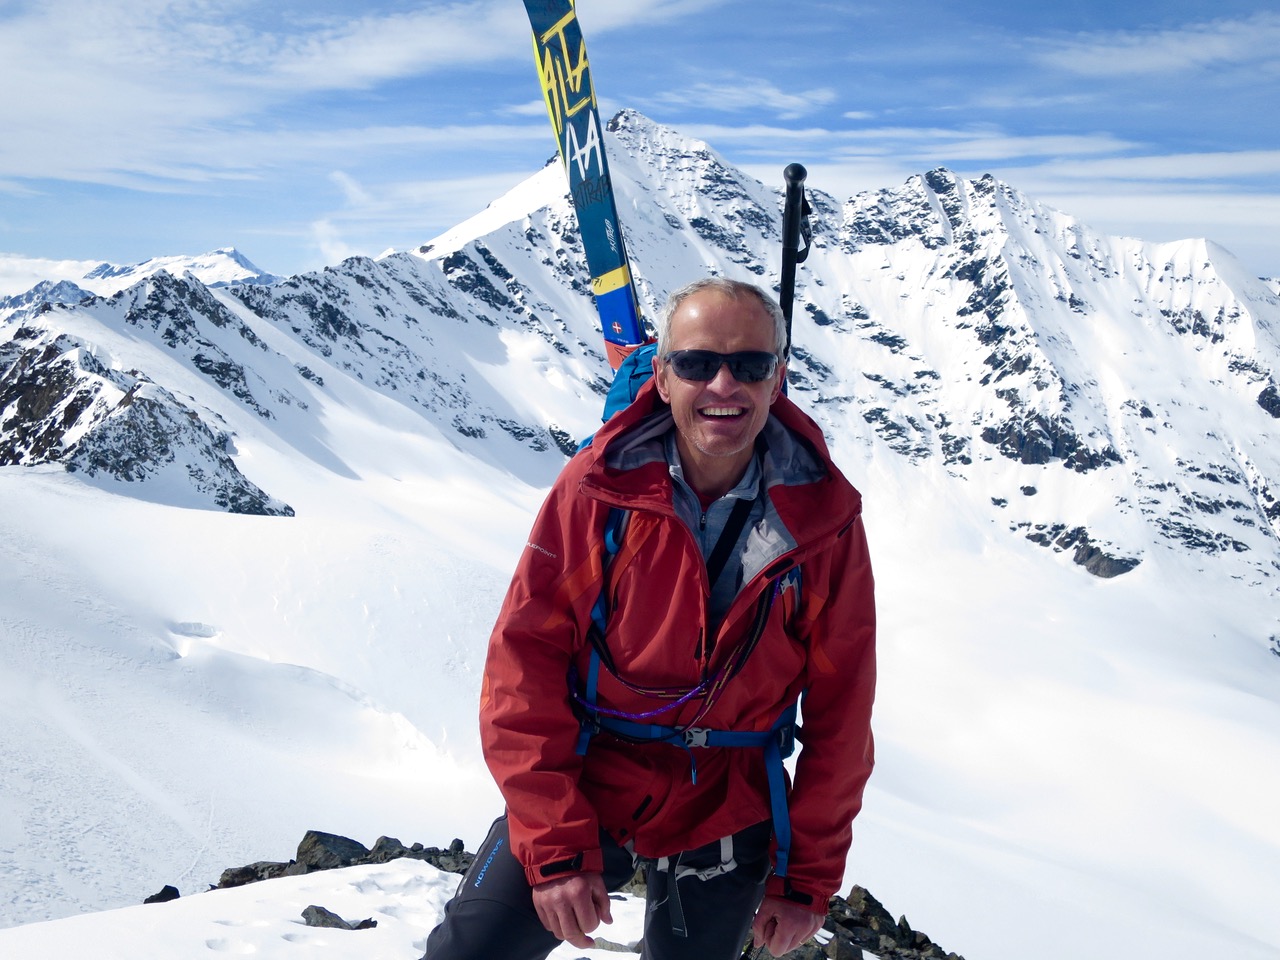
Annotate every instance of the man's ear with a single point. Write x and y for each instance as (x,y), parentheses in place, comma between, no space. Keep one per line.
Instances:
(777,387)
(659,376)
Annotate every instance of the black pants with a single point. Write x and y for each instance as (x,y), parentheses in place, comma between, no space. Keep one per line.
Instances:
(492,916)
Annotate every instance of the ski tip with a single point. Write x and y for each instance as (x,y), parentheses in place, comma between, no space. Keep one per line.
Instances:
(795,173)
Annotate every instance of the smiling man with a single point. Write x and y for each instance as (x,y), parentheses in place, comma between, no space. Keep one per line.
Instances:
(694,573)
(719,407)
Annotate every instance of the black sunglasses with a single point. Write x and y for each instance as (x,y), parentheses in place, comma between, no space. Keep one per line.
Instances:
(747,366)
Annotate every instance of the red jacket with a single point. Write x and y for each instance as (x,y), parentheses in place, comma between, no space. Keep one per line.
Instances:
(825,648)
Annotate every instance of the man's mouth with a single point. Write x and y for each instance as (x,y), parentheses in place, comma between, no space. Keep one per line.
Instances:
(721,411)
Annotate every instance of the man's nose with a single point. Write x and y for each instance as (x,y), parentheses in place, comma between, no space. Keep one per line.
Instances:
(724,380)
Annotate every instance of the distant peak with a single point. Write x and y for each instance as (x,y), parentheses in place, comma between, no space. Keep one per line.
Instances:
(941,180)
(626,120)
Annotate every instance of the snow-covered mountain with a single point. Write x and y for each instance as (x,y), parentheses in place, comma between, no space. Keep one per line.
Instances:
(271,515)
(1109,397)
(67,281)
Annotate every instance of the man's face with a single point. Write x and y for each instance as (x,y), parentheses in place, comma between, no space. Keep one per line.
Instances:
(718,419)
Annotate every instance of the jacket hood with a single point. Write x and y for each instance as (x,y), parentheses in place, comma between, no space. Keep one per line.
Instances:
(626,464)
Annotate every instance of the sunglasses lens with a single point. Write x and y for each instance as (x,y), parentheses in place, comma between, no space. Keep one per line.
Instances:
(752,366)
(747,366)
(694,364)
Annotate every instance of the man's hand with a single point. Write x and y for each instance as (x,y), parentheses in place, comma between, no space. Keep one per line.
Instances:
(571,907)
(781,926)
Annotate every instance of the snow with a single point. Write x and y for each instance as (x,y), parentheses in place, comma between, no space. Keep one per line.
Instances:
(1052,748)
(1066,766)
(19,274)
(265,920)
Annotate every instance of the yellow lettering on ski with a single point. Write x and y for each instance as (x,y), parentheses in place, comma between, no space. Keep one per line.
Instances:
(562,76)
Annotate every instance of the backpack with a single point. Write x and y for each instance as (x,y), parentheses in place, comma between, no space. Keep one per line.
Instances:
(632,374)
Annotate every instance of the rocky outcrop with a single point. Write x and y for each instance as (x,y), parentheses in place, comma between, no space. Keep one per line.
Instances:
(60,403)
(860,923)
(854,924)
(328,851)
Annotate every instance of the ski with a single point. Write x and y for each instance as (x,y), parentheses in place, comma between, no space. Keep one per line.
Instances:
(561,57)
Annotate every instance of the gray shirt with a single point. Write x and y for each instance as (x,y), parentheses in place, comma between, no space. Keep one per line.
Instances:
(707,525)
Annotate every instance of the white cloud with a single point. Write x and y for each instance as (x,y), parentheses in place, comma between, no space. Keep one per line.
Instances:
(328,241)
(532,108)
(375,47)
(962,145)
(748,94)
(915,145)
(1024,101)
(839,179)
(131,92)
(602,15)
(1224,42)
(400,214)
(764,134)
(168,159)
(355,194)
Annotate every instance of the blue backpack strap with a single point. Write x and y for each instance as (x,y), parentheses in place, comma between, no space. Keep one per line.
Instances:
(614,525)
(588,719)
(779,747)
(778,743)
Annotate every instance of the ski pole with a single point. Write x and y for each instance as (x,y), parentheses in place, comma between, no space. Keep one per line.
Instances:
(795,225)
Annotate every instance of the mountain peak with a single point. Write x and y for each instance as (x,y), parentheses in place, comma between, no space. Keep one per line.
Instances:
(944,321)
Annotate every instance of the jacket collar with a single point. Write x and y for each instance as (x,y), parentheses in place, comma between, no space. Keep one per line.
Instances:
(628,465)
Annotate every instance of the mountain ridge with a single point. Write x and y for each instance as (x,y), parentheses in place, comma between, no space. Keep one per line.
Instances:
(948,319)
(184,686)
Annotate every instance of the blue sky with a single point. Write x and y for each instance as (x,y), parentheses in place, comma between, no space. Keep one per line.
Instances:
(301,133)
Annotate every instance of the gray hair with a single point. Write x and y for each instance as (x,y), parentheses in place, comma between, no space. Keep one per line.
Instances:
(734,289)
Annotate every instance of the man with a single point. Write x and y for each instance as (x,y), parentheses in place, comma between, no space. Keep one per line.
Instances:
(740,582)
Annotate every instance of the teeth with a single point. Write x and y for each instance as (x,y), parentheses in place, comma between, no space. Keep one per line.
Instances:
(721,411)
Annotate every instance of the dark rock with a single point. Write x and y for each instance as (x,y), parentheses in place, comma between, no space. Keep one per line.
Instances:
(253,872)
(1269,400)
(326,851)
(320,917)
(167,893)
(862,923)
(1037,439)
(386,849)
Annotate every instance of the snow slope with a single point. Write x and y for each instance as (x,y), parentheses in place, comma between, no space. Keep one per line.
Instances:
(265,920)
(217,268)
(183,690)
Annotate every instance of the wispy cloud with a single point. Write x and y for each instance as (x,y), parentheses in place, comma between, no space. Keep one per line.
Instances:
(373,216)
(206,153)
(1210,169)
(127,91)
(602,15)
(358,117)
(1217,43)
(746,94)
(916,145)
(376,48)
